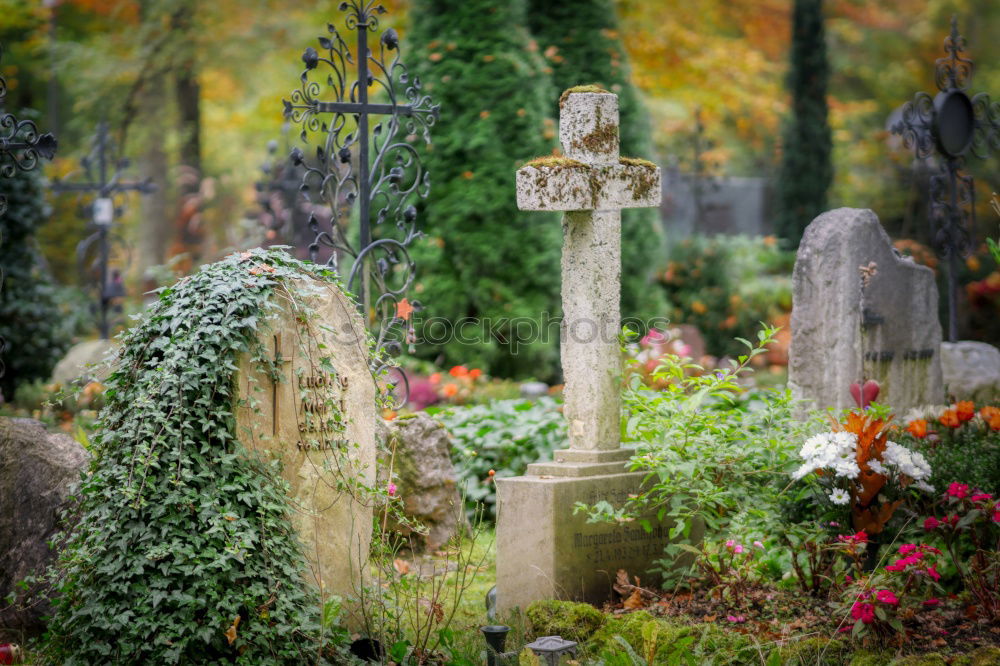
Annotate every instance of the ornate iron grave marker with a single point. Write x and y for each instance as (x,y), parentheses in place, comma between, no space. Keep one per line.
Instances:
(21,146)
(373,165)
(953,125)
(93,253)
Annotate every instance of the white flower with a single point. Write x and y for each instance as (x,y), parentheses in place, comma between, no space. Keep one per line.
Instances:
(839,496)
(924,486)
(910,463)
(877,467)
(833,450)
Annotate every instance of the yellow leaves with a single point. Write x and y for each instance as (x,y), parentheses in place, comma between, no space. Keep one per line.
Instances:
(231,631)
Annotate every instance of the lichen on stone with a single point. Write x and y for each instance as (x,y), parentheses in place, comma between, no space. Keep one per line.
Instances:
(589,88)
(602,139)
(555,161)
(636,162)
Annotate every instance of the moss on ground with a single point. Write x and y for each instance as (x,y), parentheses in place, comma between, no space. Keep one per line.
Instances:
(814,651)
(573,621)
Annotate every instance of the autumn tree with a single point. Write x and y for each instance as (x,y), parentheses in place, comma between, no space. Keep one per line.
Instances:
(806,165)
(488,273)
(582,45)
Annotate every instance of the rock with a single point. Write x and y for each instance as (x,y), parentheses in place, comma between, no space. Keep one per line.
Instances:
(425,478)
(889,332)
(971,371)
(37,469)
(534,389)
(85,361)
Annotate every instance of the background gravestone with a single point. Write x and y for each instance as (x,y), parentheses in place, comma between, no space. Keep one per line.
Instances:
(320,420)
(893,336)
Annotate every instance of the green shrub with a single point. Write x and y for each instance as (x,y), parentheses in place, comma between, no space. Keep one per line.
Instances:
(503,436)
(34,334)
(726,285)
(569,619)
(717,456)
(484,262)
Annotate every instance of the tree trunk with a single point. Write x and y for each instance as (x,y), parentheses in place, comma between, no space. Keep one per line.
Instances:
(154,223)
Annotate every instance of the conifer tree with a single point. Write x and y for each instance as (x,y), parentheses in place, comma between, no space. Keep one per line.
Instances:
(806,165)
(581,42)
(483,260)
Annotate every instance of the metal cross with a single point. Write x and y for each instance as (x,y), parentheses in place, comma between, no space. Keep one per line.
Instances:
(281,357)
(105,184)
(952,125)
(21,145)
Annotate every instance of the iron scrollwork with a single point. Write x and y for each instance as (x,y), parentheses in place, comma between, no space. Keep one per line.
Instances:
(378,168)
(950,126)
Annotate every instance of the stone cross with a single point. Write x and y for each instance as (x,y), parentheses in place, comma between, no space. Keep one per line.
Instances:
(591,184)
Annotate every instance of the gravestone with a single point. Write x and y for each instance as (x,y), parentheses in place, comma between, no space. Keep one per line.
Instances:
(841,335)
(544,551)
(318,416)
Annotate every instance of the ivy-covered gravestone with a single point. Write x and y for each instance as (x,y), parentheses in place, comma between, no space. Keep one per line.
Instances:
(231,466)
(313,408)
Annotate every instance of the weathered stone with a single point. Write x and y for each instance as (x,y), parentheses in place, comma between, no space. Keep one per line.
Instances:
(425,478)
(841,335)
(85,361)
(320,420)
(37,469)
(971,371)
(544,551)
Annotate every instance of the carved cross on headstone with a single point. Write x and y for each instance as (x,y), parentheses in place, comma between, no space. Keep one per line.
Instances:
(282,356)
(592,183)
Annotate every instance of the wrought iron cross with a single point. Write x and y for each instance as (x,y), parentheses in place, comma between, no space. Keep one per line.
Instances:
(104,184)
(21,145)
(375,165)
(953,125)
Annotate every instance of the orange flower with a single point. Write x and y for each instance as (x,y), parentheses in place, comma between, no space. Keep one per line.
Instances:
(435,378)
(449,390)
(459,371)
(917,428)
(475,373)
(388,414)
(992,416)
(699,307)
(950,418)
(966,410)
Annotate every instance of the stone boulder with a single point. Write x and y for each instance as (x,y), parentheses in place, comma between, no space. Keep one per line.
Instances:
(971,371)
(425,478)
(85,361)
(37,469)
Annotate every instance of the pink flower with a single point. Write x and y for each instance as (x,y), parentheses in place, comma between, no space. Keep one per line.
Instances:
(980,497)
(834,524)
(758,544)
(730,543)
(391,489)
(907,548)
(933,573)
(849,578)
(996,515)
(887,597)
(931,523)
(738,549)
(931,603)
(958,490)
(863,611)
(737,619)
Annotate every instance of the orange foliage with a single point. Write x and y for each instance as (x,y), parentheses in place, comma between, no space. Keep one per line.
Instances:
(872,435)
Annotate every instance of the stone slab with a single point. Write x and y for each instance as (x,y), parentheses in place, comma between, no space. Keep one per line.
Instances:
(591,456)
(971,371)
(544,551)
(893,337)
(320,420)
(85,361)
(575,468)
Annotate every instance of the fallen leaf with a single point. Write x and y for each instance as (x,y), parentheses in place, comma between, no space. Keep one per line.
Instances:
(402,566)
(231,631)
(635,601)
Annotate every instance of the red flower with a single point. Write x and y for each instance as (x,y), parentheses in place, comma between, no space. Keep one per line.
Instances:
(459,371)
(980,497)
(887,597)
(863,611)
(931,523)
(958,490)
(474,373)
(933,573)
(907,548)
(931,603)
(996,515)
